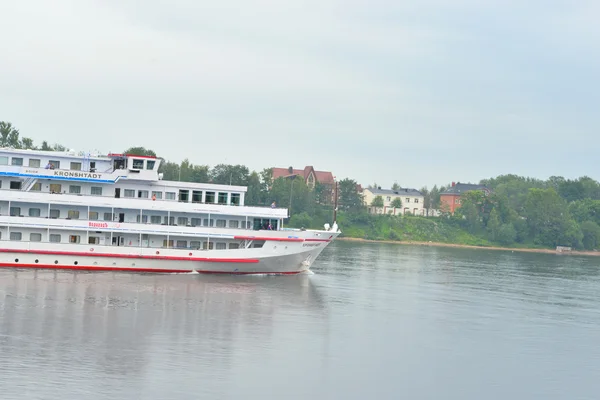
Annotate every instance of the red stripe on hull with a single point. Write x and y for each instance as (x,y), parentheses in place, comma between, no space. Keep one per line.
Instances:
(116,255)
(126,269)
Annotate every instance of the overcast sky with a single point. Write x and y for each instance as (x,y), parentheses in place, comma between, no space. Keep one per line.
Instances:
(418,92)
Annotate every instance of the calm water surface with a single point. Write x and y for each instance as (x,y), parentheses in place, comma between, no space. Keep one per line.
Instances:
(372,322)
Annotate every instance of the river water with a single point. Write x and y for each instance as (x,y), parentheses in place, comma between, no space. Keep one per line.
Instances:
(374,321)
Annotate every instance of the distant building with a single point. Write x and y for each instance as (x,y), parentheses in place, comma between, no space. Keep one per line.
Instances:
(412,201)
(311,177)
(450,198)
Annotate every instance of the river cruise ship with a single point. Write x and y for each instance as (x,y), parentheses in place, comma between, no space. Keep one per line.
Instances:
(64,210)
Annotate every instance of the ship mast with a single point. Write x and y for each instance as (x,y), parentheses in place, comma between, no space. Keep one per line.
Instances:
(335,201)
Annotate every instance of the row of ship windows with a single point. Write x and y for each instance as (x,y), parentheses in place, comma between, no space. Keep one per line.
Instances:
(222,197)
(154,219)
(74,165)
(178,244)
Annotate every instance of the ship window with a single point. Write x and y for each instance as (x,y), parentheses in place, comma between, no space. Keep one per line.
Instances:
(3,160)
(221,246)
(138,164)
(248,224)
(36,187)
(73,214)
(182,221)
(169,220)
(235,199)
(74,189)
(167,243)
(143,194)
(129,193)
(94,240)
(76,166)
(55,188)
(54,238)
(55,164)
(223,198)
(18,161)
(196,221)
(15,236)
(208,246)
(155,219)
(181,244)
(184,195)
(96,191)
(15,211)
(210,197)
(194,244)
(170,195)
(143,218)
(54,214)
(93,215)
(158,195)
(209,222)
(234,245)
(196,196)
(35,237)
(74,239)
(150,164)
(108,216)
(258,244)
(34,162)
(234,223)
(34,212)
(16,185)
(221,223)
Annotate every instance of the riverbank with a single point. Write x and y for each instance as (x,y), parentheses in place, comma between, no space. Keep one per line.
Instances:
(466,246)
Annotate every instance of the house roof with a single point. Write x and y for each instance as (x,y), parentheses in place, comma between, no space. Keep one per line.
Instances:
(399,192)
(460,188)
(324,177)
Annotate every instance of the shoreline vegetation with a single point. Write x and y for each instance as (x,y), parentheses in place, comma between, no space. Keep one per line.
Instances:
(517,213)
(470,246)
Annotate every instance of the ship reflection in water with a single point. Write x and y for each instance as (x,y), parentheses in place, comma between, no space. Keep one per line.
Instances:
(121,334)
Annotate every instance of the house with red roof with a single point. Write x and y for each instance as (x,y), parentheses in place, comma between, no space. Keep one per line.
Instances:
(311,176)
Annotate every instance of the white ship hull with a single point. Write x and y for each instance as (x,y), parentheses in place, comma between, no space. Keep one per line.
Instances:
(279,255)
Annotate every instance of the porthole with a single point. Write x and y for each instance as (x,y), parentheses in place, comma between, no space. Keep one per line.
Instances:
(16,260)
(75,263)
(114,263)
(37,261)
(55,261)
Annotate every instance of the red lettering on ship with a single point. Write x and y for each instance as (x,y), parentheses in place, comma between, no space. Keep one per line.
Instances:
(97,224)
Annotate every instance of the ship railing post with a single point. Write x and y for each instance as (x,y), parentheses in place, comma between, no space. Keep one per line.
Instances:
(87,231)
(8,225)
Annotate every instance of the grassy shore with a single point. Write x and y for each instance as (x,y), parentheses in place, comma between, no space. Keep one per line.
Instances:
(466,246)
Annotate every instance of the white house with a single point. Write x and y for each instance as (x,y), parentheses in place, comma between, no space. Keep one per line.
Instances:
(412,201)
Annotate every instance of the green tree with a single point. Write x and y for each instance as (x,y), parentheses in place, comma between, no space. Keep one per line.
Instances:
(226,174)
(349,198)
(377,202)
(507,234)
(396,186)
(396,203)
(140,151)
(254,194)
(591,235)
(9,136)
(493,225)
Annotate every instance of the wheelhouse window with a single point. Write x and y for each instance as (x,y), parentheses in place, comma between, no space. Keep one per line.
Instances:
(35,237)
(15,185)
(210,197)
(223,197)
(55,188)
(35,162)
(3,160)
(150,164)
(184,196)
(235,199)
(55,164)
(96,191)
(16,235)
(34,212)
(74,189)
(76,166)
(54,238)
(18,161)
(138,164)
